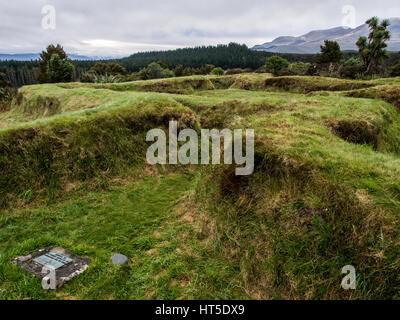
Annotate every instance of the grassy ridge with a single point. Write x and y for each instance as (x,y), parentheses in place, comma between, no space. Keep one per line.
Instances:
(325,192)
(41,159)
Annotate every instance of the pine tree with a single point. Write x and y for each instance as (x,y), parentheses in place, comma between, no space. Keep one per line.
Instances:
(330,53)
(45,57)
(59,70)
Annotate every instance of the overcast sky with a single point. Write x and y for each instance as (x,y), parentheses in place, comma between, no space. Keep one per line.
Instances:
(122,27)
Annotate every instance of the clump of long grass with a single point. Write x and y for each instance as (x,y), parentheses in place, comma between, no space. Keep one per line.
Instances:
(93,77)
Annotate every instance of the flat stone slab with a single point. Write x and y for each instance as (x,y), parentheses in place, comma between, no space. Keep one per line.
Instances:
(119,259)
(63,263)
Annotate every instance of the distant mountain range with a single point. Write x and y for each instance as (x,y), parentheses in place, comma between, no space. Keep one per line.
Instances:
(36,56)
(311,42)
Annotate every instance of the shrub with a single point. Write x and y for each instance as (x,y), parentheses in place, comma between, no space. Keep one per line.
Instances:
(218,71)
(312,70)
(207,69)
(178,71)
(295,69)
(60,70)
(351,69)
(99,68)
(188,71)
(352,62)
(168,73)
(275,64)
(113,68)
(329,69)
(262,69)
(155,71)
(93,77)
(134,76)
(7,94)
(87,77)
(107,78)
(299,68)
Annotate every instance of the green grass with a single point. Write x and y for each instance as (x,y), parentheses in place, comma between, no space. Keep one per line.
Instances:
(141,220)
(325,192)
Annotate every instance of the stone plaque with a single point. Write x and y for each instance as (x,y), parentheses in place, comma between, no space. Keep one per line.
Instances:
(53,259)
(54,265)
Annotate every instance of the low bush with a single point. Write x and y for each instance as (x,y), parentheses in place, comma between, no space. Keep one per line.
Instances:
(218,71)
(108,68)
(155,71)
(275,64)
(92,77)
(87,77)
(352,62)
(295,69)
(351,71)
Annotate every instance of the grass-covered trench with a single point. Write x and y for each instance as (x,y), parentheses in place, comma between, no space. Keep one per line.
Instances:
(325,192)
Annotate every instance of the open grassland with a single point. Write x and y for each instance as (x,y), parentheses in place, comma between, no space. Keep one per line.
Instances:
(325,192)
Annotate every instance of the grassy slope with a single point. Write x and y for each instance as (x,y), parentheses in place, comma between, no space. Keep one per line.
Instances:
(325,192)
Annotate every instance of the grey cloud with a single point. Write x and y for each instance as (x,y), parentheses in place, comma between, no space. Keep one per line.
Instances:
(121,27)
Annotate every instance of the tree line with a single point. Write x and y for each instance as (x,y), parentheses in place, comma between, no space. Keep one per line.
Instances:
(371,60)
(22,73)
(201,60)
(229,56)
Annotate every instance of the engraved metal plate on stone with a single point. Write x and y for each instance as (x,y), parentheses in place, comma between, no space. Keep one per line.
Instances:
(53,259)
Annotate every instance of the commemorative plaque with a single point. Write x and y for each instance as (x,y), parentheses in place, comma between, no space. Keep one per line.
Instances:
(53,259)
(54,265)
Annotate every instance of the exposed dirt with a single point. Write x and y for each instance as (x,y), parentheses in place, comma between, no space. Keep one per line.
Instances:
(359,132)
